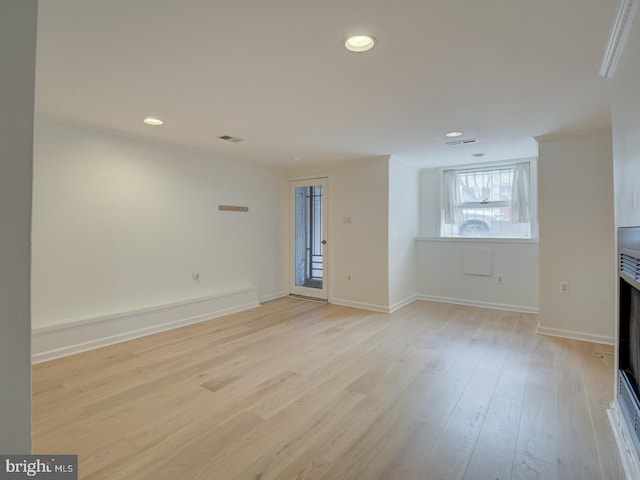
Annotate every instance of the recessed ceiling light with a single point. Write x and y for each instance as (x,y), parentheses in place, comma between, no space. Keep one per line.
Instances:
(153,121)
(297,158)
(360,43)
(453,134)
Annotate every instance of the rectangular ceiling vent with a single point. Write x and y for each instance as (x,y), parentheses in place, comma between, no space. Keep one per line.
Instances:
(462,142)
(229,138)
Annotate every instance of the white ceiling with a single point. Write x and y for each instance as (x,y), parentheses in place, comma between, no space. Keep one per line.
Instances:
(275,74)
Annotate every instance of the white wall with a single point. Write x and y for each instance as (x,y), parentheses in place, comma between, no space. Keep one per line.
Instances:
(576,235)
(360,190)
(403,228)
(626,132)
(440,274)
(17,55)
(358,231)
(429,202)
(120,224)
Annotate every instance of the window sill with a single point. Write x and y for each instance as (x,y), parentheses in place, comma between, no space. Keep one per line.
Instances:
(517,241)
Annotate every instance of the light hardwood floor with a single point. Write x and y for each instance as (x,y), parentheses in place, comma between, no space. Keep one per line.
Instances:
(303,390)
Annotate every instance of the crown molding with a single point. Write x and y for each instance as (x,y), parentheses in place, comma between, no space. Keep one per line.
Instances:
(619,34)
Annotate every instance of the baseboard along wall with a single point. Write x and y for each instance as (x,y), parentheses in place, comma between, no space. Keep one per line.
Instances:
(67,338)
(59,340)
(585,337)
(475,303)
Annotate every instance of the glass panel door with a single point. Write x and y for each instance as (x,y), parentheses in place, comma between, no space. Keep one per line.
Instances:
(309,246)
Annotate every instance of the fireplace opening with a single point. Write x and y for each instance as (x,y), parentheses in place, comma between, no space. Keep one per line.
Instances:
(629,330)
(629,349)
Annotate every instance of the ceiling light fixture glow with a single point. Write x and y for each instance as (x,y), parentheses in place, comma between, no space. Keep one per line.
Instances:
(156,122)
(359,43)
(453,134)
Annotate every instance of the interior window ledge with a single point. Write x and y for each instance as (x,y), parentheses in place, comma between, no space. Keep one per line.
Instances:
(477,240)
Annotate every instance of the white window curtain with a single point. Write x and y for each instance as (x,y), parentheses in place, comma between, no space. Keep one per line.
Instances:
(520,211)
(451,197)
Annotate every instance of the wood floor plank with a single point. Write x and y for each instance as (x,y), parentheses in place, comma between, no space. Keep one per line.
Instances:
(576,440)
(304,467)
(159,461)
(410,460)
(496,445)
(377,449)
(537,437)
(597,363)
(332,445)
(265,450)
(452,452)
(304,390)
(529,468)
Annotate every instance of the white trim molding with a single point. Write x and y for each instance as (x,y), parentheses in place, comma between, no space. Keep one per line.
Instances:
(476,303)
(360,305)
(402,303)
(66,338)
(628,455)
(372,307)
(585,337)
(272,296)
(618,37)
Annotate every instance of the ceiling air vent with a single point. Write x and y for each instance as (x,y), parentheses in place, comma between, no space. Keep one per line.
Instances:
(462,142)
(229,138)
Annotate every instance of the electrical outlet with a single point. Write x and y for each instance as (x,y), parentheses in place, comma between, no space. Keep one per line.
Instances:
(349,278)
(195,275)
(499,278)
(564,287)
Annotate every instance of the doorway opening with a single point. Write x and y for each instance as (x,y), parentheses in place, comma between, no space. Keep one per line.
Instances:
(308,201)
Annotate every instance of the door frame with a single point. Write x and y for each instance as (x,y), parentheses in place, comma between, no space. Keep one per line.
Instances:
(315,293)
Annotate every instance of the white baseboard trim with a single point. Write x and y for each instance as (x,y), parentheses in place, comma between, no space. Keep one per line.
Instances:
(476,303)
(585,337)
(66,338)
(402,303)
(272,296)
(360,305)
(628,455)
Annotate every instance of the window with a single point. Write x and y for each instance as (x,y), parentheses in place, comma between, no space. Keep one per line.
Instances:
(493,201)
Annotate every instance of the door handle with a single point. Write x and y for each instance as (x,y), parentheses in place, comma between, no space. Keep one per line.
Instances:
(324,242)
